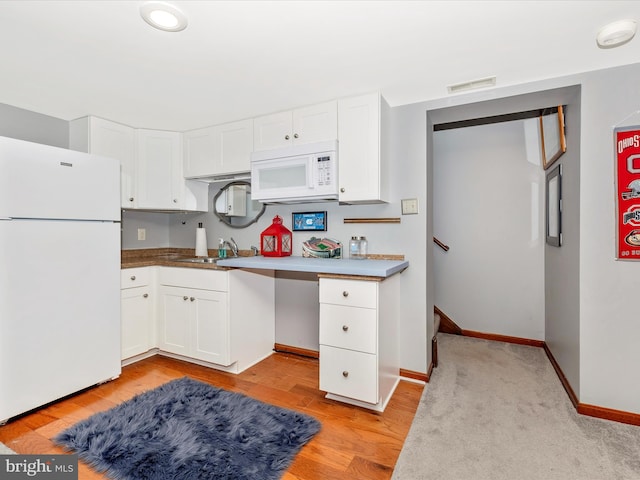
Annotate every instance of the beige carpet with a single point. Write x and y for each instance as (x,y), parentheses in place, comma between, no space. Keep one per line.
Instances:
(4,450)
(498,411)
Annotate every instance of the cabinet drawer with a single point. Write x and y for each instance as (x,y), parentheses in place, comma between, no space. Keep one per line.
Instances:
(134,277)
(348,373)
(352,293)
(194,278)
(348,327)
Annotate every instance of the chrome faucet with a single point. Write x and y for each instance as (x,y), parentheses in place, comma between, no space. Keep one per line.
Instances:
(233,246)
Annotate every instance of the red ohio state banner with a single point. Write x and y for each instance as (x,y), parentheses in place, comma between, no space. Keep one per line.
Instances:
(628,192)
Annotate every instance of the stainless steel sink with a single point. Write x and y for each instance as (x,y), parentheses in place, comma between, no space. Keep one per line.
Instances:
(200,260)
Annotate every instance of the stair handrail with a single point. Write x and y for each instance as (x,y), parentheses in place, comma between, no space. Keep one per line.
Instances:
(440,244)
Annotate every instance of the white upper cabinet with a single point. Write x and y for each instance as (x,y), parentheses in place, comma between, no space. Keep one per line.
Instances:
(198,153)
(315,123)
(109,139)
(219,150)
(150,164)
(363,160)
(159,170)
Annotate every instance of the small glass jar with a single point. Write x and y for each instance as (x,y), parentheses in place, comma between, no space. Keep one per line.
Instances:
(358,248)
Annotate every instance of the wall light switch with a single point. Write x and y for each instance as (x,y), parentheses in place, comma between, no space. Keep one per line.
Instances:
(409,206)
(142,234)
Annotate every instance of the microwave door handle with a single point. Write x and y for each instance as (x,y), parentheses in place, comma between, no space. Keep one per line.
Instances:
(310,173)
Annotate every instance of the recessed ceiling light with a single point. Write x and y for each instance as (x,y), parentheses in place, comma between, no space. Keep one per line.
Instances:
(163,16)
(616,33)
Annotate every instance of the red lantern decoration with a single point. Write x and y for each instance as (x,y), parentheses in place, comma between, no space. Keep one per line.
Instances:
(275,241)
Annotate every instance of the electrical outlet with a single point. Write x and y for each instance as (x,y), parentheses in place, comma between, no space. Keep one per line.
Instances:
(142,234)
(409,206)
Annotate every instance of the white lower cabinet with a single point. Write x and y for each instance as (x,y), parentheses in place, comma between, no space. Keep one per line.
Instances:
(136,312)
(359,359)
(225,318)
(194,323)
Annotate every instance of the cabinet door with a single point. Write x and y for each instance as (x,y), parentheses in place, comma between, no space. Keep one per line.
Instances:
(210,328)
(136,321)
(359,148)
(233,144)
(315,123)
(199,150)
(174,320)
(159,170)
(109,139)
(272,131)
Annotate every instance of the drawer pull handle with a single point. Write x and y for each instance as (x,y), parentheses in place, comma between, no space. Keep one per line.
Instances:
(185,298)
(146,295)
(345,293)
(193,299)
(133,277)
(345,328)
(345,374)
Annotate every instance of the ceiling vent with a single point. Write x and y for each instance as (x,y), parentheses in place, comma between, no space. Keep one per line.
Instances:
(472,85)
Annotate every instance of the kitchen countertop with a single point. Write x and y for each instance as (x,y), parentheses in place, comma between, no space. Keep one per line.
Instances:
(164,257)
(343,266)
(378,266)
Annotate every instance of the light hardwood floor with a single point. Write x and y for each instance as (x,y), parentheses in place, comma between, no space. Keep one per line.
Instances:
(354,443)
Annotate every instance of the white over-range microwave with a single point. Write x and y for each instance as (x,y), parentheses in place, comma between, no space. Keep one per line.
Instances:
(296,174)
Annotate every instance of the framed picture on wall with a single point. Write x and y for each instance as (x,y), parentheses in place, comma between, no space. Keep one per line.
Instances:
(552,138)
(554,206)
(309,221)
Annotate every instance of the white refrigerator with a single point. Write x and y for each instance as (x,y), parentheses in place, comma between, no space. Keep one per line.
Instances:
(59,273)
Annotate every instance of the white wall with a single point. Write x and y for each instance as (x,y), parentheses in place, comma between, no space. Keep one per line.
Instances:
(488,198)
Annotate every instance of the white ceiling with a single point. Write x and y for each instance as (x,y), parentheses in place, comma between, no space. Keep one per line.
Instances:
(239,59)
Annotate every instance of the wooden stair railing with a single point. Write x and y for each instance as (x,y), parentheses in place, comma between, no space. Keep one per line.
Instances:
(440,244)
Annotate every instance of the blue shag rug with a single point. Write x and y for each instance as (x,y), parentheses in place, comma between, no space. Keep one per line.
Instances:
(190,430)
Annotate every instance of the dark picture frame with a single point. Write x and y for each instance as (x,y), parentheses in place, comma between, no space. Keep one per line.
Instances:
(554,207)
(552,136)
(309,221)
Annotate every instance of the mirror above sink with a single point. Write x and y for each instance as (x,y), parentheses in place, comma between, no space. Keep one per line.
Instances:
(234,207)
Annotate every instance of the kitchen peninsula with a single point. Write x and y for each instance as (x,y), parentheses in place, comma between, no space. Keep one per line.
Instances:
(231,303)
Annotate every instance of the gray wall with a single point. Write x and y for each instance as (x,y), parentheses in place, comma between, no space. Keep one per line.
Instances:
(33,127)
(562,265)
(488,199)
(609,326)
(156,226)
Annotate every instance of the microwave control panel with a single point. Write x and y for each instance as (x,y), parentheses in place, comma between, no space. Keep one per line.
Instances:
(325,171)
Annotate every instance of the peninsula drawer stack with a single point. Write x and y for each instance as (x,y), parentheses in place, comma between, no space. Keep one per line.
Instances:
(358,340)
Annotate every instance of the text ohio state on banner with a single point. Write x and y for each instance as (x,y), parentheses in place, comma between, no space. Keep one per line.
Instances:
(628,193)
